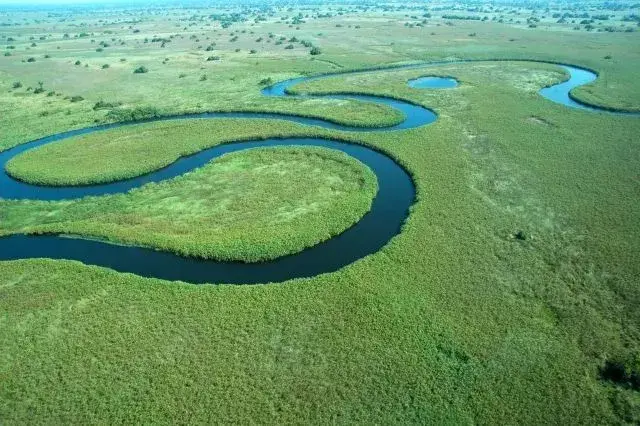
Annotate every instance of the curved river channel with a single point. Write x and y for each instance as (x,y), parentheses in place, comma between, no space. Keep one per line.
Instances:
(389,210)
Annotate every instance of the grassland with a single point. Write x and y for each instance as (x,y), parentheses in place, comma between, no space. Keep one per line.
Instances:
(512,284)
(221,211)
(96,158)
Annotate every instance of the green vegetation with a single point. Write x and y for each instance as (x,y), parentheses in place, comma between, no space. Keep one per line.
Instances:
(97,157)
(222,212)
(511,292)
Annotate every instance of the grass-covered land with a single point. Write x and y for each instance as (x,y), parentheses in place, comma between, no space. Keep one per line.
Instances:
(220,211)
(510,296)
(98,157)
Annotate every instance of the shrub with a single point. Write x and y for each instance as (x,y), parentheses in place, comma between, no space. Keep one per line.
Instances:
(625,374)
(133,114)
(141,70)
(213,58)
(520,235)
(315,51)
(266,81)
(40,88)
(31,59)
(78,63)
(105,105)
(252,51)
(77,99)
(105,66)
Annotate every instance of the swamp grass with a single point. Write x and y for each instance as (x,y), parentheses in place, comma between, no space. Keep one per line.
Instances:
(249,206)
(456,320)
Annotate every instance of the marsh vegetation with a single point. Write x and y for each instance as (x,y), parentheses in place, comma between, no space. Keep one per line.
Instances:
(510,293)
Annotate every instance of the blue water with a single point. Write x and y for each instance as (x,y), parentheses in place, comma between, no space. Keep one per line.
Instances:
(560,93)
(433,83)
(388,213)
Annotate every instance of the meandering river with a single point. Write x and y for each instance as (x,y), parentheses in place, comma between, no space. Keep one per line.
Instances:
(385,219)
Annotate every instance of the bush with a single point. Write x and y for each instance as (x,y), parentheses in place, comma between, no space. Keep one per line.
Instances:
(141,70)
(105,105)
(78,63)
(213,58)
(105,66)
(76,98)
(133,114)
(31,59)
(315,51)
(17,85)
(623,373)
(266,81)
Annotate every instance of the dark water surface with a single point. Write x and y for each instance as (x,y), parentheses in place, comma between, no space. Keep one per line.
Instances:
(389,210)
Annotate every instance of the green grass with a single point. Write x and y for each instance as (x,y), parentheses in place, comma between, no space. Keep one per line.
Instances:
(98,157)
(220,211)
(454,321)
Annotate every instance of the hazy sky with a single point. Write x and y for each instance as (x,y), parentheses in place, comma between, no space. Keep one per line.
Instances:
(29,2)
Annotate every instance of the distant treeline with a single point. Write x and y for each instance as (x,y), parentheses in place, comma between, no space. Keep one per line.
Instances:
(462,17)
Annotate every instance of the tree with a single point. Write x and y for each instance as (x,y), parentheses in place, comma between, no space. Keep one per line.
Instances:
(40,88)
